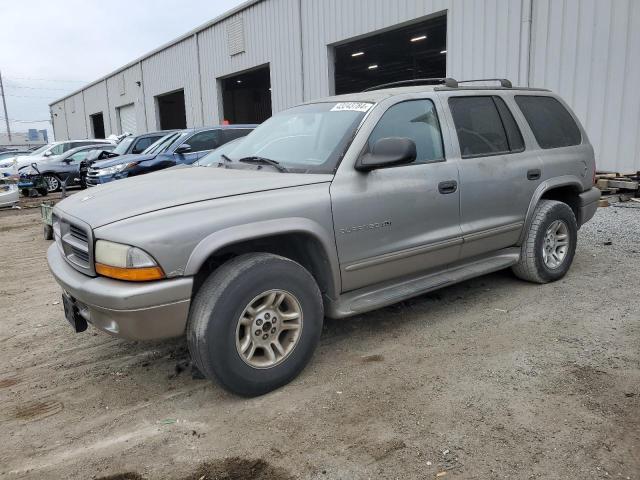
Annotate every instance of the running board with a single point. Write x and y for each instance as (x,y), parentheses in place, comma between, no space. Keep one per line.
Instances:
(388,293)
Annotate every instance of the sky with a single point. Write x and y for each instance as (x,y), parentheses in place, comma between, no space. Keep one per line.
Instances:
(49,48)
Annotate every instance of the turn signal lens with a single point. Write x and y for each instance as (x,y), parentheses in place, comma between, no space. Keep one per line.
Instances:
(145,274)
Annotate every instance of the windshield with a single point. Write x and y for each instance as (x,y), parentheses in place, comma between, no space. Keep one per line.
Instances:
(122,147)
(215,157)
(40,150)
(309,138)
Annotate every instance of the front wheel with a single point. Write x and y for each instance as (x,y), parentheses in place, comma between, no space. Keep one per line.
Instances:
(549,245)
(53,183)
(255,323)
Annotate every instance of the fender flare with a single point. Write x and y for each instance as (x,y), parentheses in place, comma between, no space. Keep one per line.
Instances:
(250,231)
(562,181)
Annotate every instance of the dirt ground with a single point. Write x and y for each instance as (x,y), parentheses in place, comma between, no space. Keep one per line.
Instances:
(492,378)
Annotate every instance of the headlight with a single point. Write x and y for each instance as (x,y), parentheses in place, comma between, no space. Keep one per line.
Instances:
(115,168)
(124,262)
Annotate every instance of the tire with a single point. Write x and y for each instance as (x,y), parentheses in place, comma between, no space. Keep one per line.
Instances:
(216,335)
(42,192)
(53,182)
(544,259)
(25,192)
(47,232)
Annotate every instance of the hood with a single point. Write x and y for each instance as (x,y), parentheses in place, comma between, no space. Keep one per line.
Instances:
(134,196)
(132,157)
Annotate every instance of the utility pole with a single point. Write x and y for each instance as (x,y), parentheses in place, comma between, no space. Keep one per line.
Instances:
(4,104)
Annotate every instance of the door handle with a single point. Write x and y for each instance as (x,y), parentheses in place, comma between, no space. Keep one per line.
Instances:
(450,186)
(534,174)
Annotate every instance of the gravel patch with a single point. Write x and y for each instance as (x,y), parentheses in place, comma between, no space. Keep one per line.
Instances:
(616,228)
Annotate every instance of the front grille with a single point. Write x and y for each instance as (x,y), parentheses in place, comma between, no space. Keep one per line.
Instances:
(74,241)
(78,233)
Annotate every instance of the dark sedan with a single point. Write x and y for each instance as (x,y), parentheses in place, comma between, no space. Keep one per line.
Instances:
(134,144)
(64,168)
(181,147)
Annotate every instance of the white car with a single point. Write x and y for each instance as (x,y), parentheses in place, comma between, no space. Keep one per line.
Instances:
(10,166)
(8,194)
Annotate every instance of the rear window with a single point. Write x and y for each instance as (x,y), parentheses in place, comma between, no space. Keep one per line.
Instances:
(551,123)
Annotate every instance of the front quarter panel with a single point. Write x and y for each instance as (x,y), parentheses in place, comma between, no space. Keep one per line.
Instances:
(182,238)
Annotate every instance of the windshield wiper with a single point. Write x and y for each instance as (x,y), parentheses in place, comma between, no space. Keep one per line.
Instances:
(263,161)
(225,158)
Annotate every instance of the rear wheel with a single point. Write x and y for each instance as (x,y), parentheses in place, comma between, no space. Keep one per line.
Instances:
(549,245)
(255,323)
(53,183)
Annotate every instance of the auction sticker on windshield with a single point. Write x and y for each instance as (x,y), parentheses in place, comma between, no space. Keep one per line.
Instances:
(351,107)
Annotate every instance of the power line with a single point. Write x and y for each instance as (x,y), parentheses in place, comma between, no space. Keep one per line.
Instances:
(30,96)
(47,79)
(38,88)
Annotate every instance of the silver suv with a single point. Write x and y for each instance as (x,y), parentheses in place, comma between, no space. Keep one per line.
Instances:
(335,207)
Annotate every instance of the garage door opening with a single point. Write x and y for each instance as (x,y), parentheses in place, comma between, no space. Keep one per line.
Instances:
(171,110)
(414,51)
(246,97)
(97,125)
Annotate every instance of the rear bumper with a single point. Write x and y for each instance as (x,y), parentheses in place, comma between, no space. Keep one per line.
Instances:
(137,311)
(587,205)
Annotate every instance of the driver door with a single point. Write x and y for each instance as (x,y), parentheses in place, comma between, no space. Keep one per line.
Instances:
(400,220)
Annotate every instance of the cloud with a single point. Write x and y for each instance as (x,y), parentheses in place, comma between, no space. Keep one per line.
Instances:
(50,48)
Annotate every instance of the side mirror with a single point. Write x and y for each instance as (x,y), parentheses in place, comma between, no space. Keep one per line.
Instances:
(184,148)
(388,152)
(47,154)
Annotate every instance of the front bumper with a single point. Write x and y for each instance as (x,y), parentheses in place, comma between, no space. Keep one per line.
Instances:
(137,311)
(587,205)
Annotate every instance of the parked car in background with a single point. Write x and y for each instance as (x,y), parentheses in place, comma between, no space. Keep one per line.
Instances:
(47,151)
(180,147)
(8,154)
(331,208)
(134,144)
(8,194)
(218,156)
(63,168)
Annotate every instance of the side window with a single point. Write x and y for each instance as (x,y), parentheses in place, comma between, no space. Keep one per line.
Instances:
(550,122)
(233,133)
(514,136)
(143,143)
(79,156)
(417,120)
(478,125)
(207,140)
(59,149)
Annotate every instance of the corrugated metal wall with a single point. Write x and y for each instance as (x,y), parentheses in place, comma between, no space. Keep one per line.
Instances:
(96,100)
(272,36)
(584,49)
(123,90)
(589,52)
(174,68)
(74,108)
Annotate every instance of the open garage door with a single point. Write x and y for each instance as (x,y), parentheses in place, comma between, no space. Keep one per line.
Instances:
(127,116)
(171,110)
(418,50)
(246,97)
(97,125)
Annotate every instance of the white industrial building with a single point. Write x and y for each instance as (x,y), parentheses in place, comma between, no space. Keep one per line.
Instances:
(267,55)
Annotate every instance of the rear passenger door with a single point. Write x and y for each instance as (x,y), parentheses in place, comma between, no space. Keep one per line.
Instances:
(498,175)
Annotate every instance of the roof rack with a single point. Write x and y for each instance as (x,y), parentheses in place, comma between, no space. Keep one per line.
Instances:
(504,83)
(448,82)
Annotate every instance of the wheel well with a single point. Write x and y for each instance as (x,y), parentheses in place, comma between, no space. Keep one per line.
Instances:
(567,194)
(299,247)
